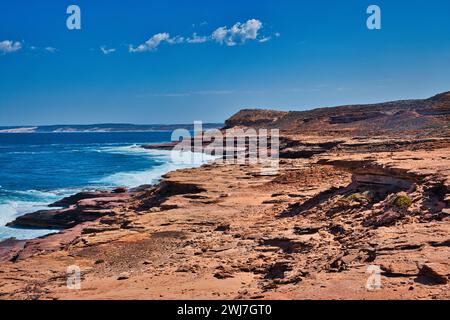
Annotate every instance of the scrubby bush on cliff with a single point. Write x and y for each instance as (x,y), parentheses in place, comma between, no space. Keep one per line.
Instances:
(360,197)
(402,201)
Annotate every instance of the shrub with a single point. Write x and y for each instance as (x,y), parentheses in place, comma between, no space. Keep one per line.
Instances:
(363,197)
(402,201)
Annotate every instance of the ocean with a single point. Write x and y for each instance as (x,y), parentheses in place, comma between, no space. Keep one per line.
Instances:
(37,169)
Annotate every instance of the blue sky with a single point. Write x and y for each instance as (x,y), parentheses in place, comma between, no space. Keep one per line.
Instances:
(303,54)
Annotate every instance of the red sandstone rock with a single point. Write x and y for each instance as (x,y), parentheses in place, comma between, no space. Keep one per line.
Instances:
(216,230)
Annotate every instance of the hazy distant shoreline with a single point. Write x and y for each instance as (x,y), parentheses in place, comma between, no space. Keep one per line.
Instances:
(102,128)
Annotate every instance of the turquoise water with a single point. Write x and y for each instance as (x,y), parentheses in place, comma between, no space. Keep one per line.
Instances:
(37,169)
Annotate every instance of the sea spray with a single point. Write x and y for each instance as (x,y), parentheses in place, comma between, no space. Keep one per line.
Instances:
(40,169)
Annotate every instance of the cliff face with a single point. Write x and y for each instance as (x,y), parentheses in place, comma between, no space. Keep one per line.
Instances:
(254,117)
(426,115)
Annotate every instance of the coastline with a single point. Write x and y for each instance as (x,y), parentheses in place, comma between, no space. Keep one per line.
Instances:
(225,231)
(39,222)
(360,192)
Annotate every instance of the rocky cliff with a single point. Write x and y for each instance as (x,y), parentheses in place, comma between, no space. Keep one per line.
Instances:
(424,116)
(337,208)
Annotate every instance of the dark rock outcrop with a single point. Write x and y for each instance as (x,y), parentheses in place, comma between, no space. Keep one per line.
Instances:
(82,207)
(73,199)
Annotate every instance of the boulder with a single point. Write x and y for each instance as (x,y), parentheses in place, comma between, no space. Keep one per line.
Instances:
(120,190)
(438,272)
(73,199)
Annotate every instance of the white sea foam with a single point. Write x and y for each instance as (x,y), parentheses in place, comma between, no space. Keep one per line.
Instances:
(46,196)
(165,162)
(13,209)
(168,161)
(23,234)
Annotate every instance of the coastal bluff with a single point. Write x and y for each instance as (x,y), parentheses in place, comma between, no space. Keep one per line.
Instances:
(357,186)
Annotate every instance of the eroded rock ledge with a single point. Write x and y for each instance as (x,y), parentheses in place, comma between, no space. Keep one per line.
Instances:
(81,207)
(226,231)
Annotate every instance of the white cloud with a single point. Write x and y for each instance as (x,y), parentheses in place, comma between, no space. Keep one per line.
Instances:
(8,46)
(220,34)
(265,39)
(192,93)
(106,51)
(248,30)
(156,40)
(51,49)
(201,24)
(214,92)
(170,94)
(175,40)
(197,39)
(152,43)
(239,33)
